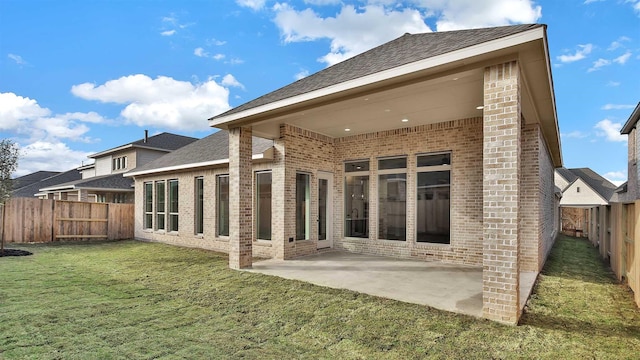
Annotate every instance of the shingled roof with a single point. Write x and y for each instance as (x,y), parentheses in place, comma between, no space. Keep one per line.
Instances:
(163,141)
(403,50)
(212,148)
(599,184)
(29,179)
(33,188)
(104,182)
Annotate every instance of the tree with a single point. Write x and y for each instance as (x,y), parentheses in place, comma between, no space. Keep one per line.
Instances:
(8,164)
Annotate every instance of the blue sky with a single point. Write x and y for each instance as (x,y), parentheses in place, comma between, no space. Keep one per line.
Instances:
(79,77)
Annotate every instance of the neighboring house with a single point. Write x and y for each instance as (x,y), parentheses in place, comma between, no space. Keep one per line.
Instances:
(437,146)
(102,181)
(622,219)
(32,178)
(583,191)
(33,188)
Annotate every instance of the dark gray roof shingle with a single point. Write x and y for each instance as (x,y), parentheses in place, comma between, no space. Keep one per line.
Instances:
(601,185)
(34,188)
(567,174)
(106,182)
(403,50)
(211,148)
(29,179)
(162,141)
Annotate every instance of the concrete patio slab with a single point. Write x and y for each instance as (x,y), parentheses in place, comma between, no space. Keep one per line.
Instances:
(455,288)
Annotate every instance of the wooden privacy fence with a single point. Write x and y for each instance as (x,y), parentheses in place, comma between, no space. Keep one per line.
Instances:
(43,220)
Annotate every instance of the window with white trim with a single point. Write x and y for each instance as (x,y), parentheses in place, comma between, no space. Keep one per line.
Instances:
(199,201)
(263,205)
(222,207)
(148,205)
(173,205)
(160,205)
(303,206)
(433,215)
(356,199)
(392,198)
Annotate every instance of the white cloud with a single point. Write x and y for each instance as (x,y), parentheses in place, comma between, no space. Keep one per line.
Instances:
(168,33)
(218,56)
(216,42)
(635,4)
(616,177)
(618,43)
(599,64)
(301,74)
(253,4)
(351,32)
(574,134)
(161,102)
(16,111)
(610,130)
(613,83)
(323,2)
(622,59)
(578,55)
(356,29)
(200,52)
(591,1)
(229,80)
(37,156)
(465,14)
(617,107)
(17,58)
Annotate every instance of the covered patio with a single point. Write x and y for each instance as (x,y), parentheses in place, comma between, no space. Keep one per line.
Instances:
(455,288)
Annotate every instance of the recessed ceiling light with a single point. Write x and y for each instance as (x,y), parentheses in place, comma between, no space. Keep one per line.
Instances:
(455,78)
(387,110)
(366,99)
(405,120)
(480,107)
(347,129)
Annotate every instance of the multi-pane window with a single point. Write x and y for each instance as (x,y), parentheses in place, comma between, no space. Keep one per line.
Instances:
(392,198)
(173,205)
(199,220)
(160,205)
(148,205)
(120,163)
(356,200)
(433,198)
(263,205)
(223,205)
(303,206)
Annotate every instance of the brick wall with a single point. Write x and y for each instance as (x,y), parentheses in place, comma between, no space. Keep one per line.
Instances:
(464,139)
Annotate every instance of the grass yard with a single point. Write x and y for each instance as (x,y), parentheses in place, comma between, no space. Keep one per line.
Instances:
(142,300)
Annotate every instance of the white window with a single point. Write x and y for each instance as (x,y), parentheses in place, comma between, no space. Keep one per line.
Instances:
(356,202)
(433,198)
(263,205)
(392,198)
(303,206)
(173,205)
(222,200)
(148,205)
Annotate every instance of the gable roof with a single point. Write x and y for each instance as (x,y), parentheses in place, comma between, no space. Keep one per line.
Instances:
(600,185)
(567,174)
(164,142)
(32,189)
(401,51)
(111,182)
(211,150)
(29,179)
(631,122)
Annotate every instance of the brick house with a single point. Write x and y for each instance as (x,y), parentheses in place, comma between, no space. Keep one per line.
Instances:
(437,146)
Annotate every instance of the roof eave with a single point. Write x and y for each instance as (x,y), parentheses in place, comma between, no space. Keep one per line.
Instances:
(265,155)
(244,117)
(631,122)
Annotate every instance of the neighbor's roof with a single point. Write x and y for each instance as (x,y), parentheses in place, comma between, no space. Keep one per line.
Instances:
(29,179)
(208,151)
(163,142)
(60,178)
(112,182)
(403,50)
(631,122)
(567,174)
(599,184)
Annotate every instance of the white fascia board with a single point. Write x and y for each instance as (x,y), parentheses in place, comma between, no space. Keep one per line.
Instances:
(469,52)
(267,154)
(58,188)
(102,153)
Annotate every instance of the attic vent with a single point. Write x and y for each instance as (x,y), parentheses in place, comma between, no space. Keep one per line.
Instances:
(578,189)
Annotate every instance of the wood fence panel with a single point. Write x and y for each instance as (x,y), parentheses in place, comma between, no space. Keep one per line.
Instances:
(45,220)
(118,229)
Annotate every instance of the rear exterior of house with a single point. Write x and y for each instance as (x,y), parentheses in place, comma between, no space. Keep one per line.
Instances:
(433,147)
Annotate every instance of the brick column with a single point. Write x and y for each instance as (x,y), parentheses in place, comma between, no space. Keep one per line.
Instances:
(501,192)
(240,198)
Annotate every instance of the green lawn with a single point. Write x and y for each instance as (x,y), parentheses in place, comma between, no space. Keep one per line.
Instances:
(140,300)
